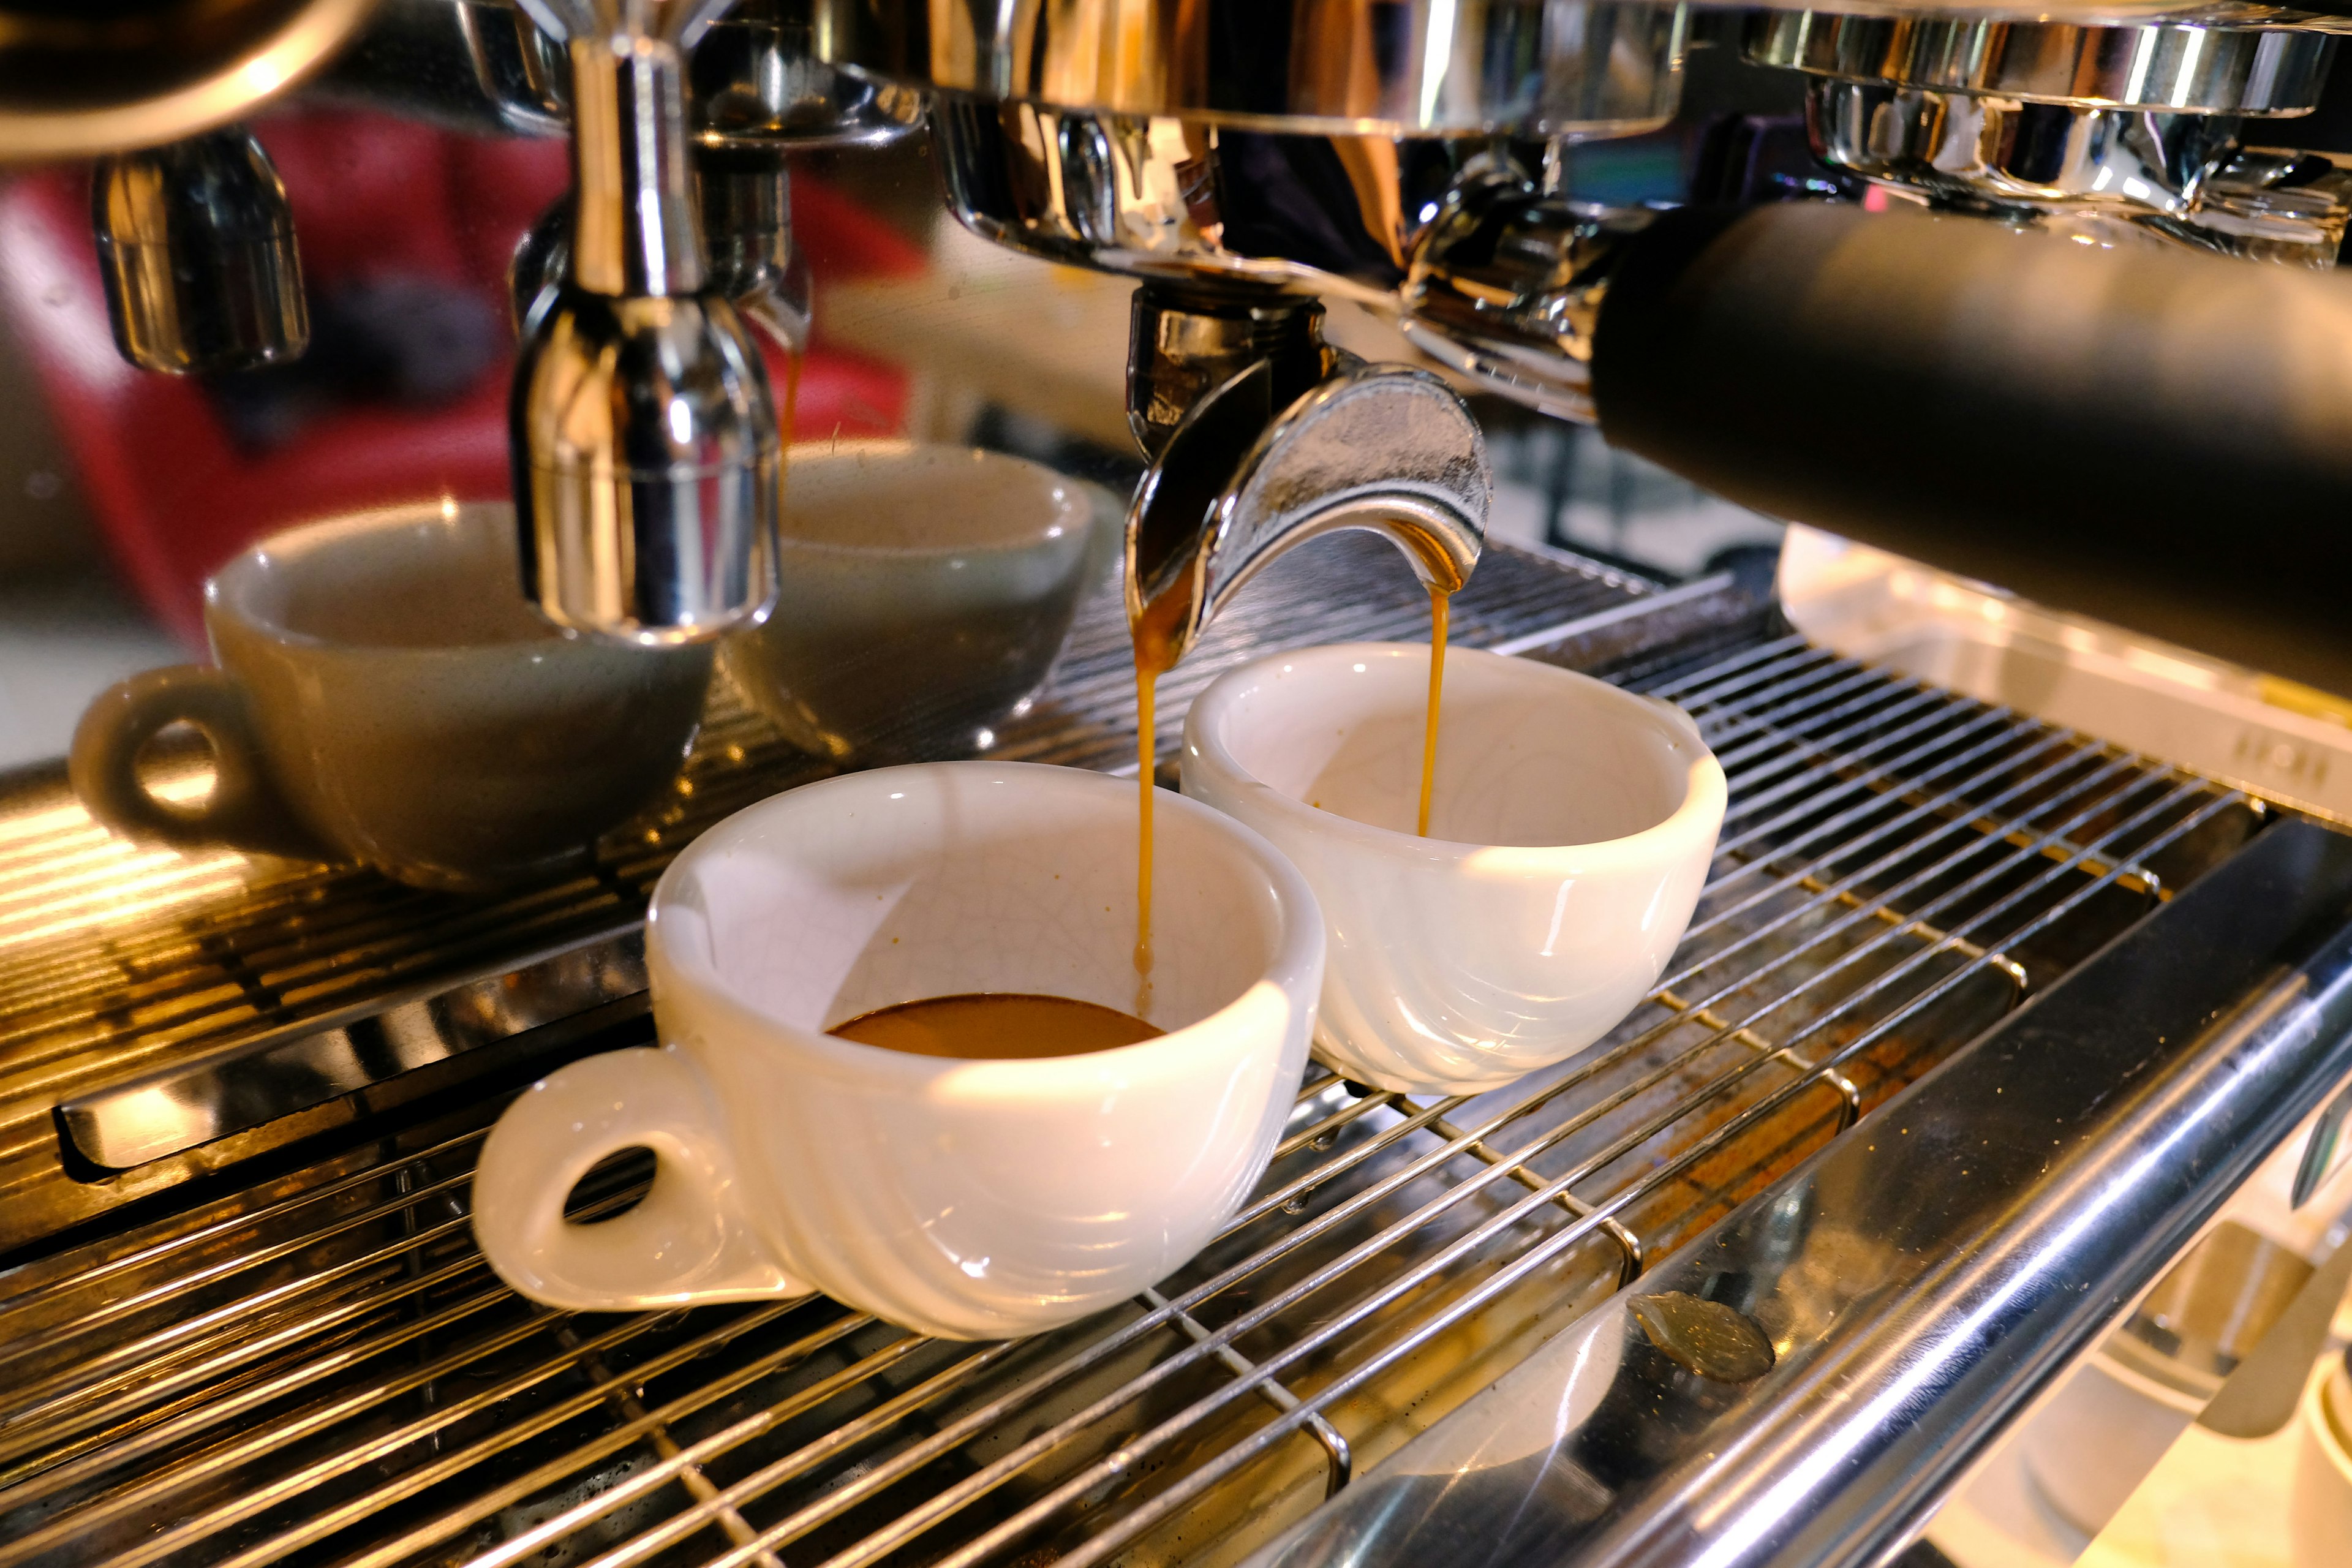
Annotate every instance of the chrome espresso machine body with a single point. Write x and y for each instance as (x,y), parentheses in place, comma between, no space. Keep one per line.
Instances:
(1984,1029)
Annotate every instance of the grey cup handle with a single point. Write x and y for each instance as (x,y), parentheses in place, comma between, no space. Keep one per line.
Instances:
(245,810)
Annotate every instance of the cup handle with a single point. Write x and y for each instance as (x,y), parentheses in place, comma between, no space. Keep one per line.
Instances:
(689,1239)
(245,810)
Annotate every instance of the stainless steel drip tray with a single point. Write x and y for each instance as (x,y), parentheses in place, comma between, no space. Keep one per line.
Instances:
(574,989)
(166,1015)
(360,1061)
(2291,744)
(305,1361)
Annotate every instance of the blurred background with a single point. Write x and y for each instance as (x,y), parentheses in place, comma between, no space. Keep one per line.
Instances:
(120,490)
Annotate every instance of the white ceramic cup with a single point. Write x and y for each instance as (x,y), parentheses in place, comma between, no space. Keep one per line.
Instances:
(1569,837)
(967,1199)
(2319,1501)
(925,594)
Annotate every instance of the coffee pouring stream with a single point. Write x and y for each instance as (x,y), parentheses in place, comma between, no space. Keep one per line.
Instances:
(1248,474)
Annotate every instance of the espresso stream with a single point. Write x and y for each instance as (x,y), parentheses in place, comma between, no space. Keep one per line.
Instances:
(1154,632)
(1440,607)
(976,1026)
(996,1025)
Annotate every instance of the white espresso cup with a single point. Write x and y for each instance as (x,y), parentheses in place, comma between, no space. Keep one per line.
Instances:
(970,1199)
(1570,831)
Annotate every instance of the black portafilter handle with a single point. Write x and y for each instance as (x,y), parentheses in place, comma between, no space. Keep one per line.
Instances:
(2155,437)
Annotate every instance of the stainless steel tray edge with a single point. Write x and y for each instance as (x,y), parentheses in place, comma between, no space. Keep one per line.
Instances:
(1921,1279)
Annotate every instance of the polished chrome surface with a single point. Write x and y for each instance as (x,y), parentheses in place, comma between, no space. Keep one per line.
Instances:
(758,86)
(1922,1282)
(633,217)
(475,65)
(1418,68)
(2272,204)
(196,245)
(2180,178)
(318,1364)
(754,80)
(1507,287)
(646,453)
(1262,436)
(1183,201)
(2288,742)
(647,467)
(1243,480)
(746,206)
(2192,68)
(196,1100)
(77,80)
(1996,151)
(125,964)
(1183,344)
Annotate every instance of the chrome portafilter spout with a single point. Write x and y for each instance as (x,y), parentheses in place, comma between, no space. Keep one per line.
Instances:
(1299,440)
(195,241)
(646,448)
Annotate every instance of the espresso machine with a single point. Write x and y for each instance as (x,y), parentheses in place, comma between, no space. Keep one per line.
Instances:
(1988,1027)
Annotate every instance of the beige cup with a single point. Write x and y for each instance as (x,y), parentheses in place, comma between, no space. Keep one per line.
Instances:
(926,592)
(384,695)
(2319,1500)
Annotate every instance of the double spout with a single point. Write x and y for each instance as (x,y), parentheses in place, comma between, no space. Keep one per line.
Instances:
(1292,438)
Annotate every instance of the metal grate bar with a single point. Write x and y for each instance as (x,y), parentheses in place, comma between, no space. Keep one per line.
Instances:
(117,960)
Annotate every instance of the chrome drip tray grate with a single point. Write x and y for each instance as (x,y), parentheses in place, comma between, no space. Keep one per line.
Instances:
(117,960)
(318,1369)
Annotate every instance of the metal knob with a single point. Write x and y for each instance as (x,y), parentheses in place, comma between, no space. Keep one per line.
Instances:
(196,244)
(647,448)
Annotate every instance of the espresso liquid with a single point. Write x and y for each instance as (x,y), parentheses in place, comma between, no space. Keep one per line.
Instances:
(981,1025)
(1154,632)
(1441,605)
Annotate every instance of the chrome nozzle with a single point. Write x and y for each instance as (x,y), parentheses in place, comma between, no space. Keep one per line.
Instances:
(196,244)
(647,450)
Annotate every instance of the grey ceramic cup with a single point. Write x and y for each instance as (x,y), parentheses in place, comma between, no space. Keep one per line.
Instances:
(383,694)
(926,594)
